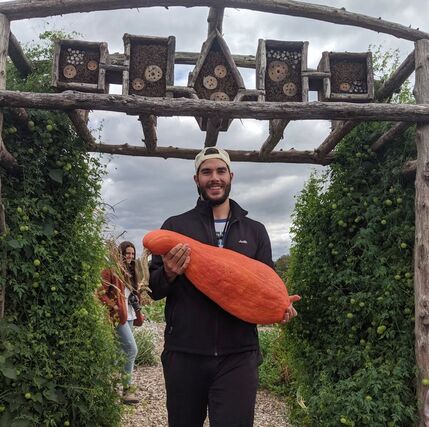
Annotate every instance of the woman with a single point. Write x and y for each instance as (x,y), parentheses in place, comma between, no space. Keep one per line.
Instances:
(123,299)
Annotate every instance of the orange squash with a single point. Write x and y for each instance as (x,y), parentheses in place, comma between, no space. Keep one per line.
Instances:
(244,287)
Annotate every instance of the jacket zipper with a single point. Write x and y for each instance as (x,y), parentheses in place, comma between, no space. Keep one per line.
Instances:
(216,353)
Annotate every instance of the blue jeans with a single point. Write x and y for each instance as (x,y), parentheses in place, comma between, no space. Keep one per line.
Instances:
(129,347)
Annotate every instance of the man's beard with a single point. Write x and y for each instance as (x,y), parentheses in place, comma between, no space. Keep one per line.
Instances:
(215,202)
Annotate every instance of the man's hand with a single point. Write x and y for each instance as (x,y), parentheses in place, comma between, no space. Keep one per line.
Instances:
(290,313)
(176,261)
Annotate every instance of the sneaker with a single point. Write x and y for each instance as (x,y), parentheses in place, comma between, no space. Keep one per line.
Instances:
(129,398)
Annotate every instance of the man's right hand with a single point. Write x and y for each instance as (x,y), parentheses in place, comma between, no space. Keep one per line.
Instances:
(176,261)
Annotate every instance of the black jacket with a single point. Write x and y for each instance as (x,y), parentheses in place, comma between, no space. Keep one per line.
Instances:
(194,323)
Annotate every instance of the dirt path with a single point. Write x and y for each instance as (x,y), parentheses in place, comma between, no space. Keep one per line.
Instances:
(151,412)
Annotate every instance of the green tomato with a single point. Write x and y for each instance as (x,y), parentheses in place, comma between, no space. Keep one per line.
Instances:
(381,329)
(36,262)
(403,245)
(425,381)
(22,228)
(352,301)
(334,206)
(361,304)
(383,222)
(66,423)
(53,288)
(408,275)
(49,128)
(19,210)
(398,200)
(349,315)
(35,285)
(30,124)
(368,397)
(397,277)
(27,395)
(388,202)
(2,408)
(343,420)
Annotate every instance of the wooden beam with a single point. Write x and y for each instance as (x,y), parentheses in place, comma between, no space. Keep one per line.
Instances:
(116,60)
(335,137)
(409,170)
(223,109)
(290,156)
(190,58)
(4,43)
(19,9)
(79,120)
(276,129)
(395,81)
(215,19)
(385,91)
(212,133)
(395,131)
(421,246)
(17,55)
(181,92)
(149,123)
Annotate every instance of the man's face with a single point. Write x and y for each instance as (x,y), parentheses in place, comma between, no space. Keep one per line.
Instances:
(214,181)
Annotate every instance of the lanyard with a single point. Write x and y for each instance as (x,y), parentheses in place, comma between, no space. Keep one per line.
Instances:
(222,237)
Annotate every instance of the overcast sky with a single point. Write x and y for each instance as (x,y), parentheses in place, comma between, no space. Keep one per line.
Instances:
(145,191)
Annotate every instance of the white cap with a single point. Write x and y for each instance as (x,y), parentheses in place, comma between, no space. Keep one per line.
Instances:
(211,153)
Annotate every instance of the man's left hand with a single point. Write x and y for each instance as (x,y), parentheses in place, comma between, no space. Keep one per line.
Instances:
(290,312)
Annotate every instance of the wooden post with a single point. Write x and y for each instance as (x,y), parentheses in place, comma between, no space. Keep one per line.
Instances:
(149,123)
(215,19)
(4,45)
(421,248)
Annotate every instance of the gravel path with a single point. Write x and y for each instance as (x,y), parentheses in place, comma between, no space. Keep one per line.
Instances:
(151,412)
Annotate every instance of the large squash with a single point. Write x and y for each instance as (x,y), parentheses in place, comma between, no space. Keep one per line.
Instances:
(246,288)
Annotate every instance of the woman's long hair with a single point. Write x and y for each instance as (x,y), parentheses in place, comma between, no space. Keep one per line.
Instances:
(130,268)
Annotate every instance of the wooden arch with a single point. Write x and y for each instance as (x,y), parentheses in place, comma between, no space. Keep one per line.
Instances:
(182,102)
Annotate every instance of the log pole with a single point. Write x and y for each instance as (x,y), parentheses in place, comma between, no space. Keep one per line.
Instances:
(165,107)
(20,9)
(421,247)
(4,44)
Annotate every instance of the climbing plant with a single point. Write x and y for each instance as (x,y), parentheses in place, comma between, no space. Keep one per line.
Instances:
(58,355)
(351,351)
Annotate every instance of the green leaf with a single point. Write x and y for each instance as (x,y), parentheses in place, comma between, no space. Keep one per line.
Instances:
(56,175)
(8,372)
(48,228)
(21,423)
(14,244)
(5,419)
(54,395)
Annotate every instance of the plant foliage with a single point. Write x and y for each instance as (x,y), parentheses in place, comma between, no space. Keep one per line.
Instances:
(351,350)
(58,355)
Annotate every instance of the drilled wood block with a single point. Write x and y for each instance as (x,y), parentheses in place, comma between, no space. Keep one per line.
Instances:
(149,65)
(351,77)
(79,65)
(279,70)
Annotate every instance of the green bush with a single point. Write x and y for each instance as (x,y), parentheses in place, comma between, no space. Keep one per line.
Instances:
(145,340)
(273,372)
(351,350)
(155,311)
(58,356)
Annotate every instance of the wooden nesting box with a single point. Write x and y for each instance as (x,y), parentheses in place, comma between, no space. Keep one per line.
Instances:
(79,65)
(279,68)
(150,65)
(215,76)
(351,76)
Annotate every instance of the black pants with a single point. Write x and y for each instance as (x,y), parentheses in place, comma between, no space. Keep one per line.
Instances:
(226,385)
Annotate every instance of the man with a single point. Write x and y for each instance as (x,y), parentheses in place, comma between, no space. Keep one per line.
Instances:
(210,357)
